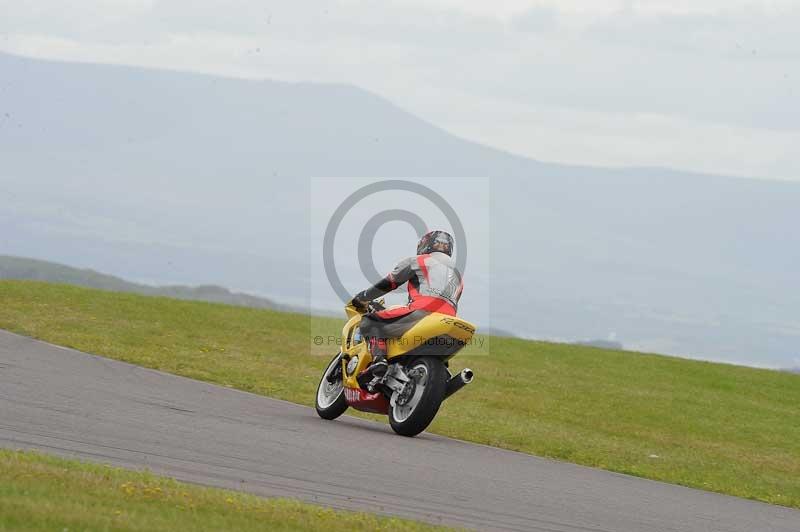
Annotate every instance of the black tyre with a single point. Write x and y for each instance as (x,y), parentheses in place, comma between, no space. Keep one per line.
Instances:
(414,411)
(330,401)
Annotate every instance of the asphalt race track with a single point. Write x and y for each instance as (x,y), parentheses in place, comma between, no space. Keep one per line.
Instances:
(69,403)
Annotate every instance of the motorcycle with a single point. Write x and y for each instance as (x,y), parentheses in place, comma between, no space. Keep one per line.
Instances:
(416,382)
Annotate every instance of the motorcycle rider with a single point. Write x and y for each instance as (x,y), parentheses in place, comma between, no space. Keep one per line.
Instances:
(434,285)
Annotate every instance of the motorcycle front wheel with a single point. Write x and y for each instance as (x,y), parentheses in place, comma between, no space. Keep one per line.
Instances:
(415,408)
(330,401)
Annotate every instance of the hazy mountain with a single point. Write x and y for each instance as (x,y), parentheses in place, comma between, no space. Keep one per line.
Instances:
(168,177)
(602,344)
(20,268)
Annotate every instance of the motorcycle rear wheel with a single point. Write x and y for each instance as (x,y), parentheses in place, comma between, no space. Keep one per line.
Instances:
(330,402)
(418,410)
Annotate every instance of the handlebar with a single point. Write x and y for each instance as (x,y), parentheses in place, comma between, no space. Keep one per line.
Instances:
(376,306)
(372,306)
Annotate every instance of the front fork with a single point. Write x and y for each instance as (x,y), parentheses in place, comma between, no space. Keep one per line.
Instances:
(337,373)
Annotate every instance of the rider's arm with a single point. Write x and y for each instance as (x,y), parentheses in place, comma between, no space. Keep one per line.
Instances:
(399,276)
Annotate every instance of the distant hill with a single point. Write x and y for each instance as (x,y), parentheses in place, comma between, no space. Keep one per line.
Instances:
(39,270)
(193,179)
(494,331)
(603,344)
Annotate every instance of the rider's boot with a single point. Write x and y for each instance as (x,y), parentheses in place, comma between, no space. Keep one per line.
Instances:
(377,348)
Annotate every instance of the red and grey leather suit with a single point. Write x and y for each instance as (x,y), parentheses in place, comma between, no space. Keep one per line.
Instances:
(434,285)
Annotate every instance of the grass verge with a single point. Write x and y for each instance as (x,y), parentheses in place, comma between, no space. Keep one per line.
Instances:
(718,427)
(40,492)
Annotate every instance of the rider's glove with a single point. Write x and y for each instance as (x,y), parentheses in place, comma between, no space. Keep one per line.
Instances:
(359,305)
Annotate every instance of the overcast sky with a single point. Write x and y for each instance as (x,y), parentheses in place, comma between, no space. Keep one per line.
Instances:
(709,85)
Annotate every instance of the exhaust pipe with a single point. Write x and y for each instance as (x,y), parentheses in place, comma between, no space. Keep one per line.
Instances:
(457,382)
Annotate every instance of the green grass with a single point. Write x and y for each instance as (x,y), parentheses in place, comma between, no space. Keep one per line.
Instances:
(718,427)
(39,492)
